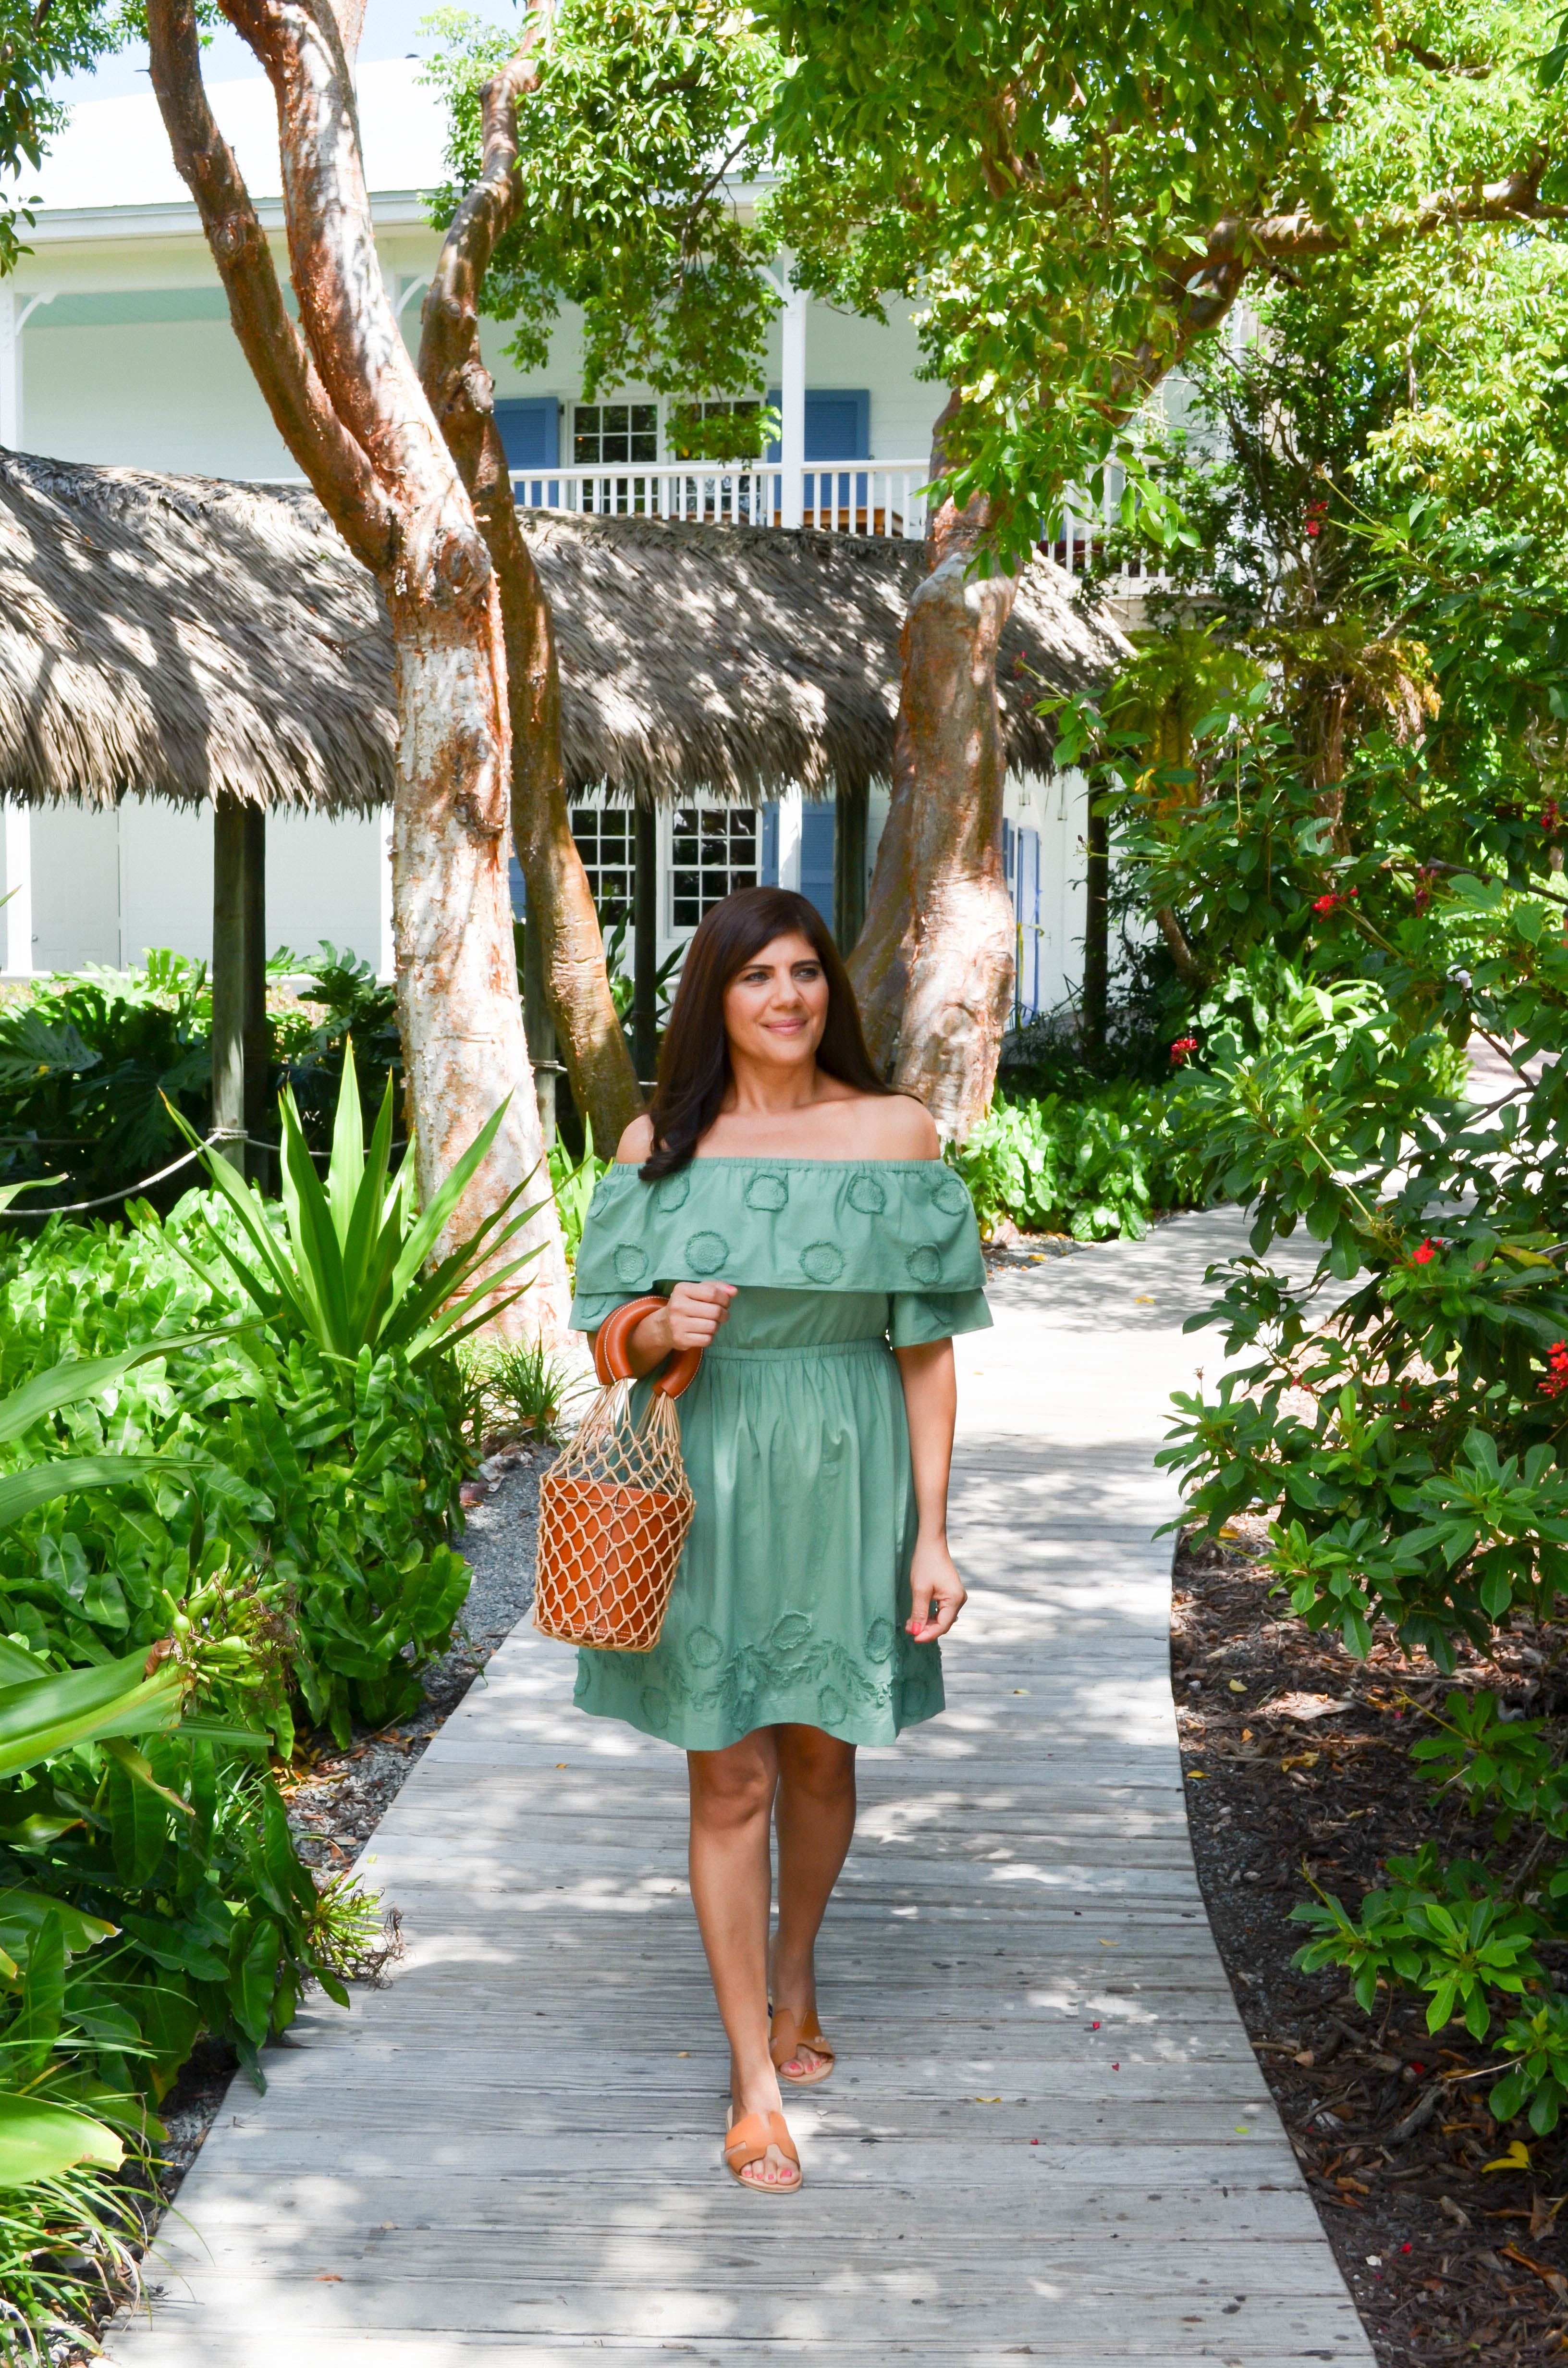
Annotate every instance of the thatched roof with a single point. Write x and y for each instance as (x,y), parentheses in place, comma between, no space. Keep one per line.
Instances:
(735,660)
(185,638)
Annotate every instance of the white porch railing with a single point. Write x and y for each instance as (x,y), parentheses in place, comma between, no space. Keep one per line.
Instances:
(1078,538)
(878,497)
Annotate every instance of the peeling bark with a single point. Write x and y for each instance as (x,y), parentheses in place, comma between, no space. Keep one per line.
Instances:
(561,905)
(935,963)
(349,403)
(960,954)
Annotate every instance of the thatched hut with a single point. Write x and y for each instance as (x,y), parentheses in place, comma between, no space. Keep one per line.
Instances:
(215,643)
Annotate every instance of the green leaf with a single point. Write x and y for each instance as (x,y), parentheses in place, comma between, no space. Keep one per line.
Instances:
(250,1993)
(39,2140)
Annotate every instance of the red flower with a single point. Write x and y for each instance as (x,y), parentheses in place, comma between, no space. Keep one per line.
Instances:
(1557,1381)
(1426,1254)
(1325,903)
(1182,1047)
(1550,816)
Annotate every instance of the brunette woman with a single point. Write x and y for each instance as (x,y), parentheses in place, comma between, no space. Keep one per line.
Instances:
(807,1236)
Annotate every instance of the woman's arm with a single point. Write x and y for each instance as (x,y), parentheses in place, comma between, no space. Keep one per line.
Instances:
(931,1402)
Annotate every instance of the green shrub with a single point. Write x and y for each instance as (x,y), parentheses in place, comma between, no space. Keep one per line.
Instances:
(1091,1167)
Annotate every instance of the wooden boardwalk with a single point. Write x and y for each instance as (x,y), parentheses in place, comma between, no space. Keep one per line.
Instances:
(1047,2133)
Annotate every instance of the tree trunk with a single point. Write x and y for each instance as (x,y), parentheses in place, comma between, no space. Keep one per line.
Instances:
(850,819)
(229,981)
(935,963)
(1096,927)
(561,905)
(878,968)
(960,959)
(349,406)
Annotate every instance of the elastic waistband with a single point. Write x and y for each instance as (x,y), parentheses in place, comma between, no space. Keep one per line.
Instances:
(875,1345)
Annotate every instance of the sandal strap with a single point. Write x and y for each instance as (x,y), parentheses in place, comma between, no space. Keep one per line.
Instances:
(805,2031)
(750,2138)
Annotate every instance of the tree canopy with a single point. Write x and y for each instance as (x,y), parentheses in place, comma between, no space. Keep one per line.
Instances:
(643,117)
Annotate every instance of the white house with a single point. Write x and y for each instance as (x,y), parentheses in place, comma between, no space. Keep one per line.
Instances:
(116,348)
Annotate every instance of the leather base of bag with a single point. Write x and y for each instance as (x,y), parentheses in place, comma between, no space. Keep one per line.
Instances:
(615,1508)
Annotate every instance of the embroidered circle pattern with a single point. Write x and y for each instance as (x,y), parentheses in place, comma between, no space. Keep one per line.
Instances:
(822,1261)
(879,1640)
(706,1252)
(670,1194)
(631,1264)
(704,1649)
(925,1263)
(866,1193)
(768,1191)
(832,1708)
(948,1192)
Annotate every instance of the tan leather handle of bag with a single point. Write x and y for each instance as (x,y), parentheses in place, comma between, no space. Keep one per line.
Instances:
(610,1361)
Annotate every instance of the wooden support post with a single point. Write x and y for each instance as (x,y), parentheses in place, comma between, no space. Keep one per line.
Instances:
(851,816)
(229,980)
(1096,929)
(645,949)
(261,1166)
(539,1027)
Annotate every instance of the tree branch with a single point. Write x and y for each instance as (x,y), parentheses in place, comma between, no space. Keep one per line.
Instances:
(337,467)
(346,312)
(448,338)
(1239,239)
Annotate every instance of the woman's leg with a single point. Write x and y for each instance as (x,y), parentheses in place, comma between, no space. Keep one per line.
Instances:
(814,1812)
(731,1807)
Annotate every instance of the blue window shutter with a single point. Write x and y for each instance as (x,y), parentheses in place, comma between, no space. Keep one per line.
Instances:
(816,856)
(838,423)
(768,875)
(1026,900)
(530,431)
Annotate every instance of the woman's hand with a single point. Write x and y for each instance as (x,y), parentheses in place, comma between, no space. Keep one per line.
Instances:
(689,1319)
(935,1587)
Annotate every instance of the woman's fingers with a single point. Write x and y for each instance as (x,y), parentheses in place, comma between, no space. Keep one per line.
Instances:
(937,1597)
(696,1310)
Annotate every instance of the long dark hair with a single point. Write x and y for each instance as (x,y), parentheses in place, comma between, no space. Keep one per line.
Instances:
(694,1060)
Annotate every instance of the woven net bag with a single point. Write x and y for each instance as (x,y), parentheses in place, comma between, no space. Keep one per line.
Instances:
(614,1509)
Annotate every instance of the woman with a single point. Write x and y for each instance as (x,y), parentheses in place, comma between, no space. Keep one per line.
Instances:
(815,1246)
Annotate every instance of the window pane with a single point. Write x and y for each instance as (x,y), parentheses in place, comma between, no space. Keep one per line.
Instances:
(586,431)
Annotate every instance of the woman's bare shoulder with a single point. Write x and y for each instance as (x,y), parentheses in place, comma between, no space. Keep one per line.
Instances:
(894,1126)
(635,1143)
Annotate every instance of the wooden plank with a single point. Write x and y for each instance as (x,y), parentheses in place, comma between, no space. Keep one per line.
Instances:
(513,2148)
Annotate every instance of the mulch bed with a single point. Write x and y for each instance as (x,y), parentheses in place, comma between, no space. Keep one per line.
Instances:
(1445,2257)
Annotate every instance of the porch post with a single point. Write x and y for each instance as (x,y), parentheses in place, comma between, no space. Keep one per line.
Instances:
(645,948)
(792,403)
(1096,927)
(229,980)
(539,1028)
(258,1165)
(851,816)
(15,313)
(17,911)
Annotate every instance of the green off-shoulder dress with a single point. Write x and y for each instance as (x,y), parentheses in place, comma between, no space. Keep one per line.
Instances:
(793,1590)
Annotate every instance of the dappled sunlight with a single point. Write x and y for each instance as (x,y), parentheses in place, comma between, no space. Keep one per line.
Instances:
(1043,2100)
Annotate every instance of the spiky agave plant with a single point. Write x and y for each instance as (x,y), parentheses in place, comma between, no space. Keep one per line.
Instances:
(354,1273)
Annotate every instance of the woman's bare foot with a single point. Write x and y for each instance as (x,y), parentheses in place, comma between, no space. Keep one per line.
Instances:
(794,1991)
(775,2168)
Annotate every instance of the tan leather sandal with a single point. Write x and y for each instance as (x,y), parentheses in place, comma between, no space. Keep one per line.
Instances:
(787,2034)
(749,2140)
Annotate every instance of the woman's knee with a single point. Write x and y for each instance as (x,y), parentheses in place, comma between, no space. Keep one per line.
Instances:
(732,1787)
(813,1762)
